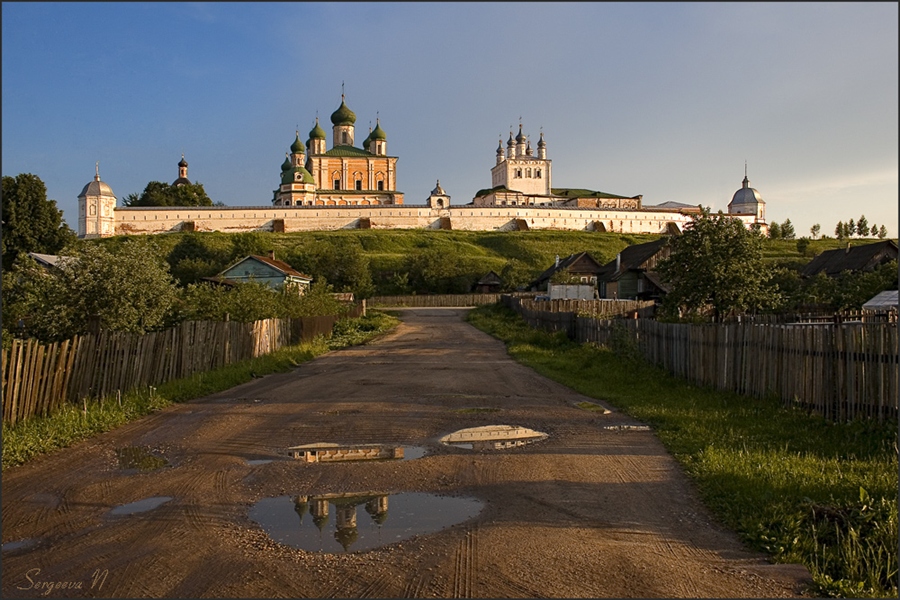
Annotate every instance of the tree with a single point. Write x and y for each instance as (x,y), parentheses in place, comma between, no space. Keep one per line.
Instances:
(31,222)
(802,245)
(787,230)
(774,231)
(158,193)
(850,228)
(127,290)
(862,226)
(840,230)
(882,232)
(344,266)
(814,230)
(716,263)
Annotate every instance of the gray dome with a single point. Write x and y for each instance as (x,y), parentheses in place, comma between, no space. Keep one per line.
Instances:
(96,188)
(746,195)
(438,190)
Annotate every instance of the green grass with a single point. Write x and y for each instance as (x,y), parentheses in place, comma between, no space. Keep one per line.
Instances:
(73,423)
(793,485)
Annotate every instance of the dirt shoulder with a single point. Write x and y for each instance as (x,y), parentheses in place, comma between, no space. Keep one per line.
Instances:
(588,512)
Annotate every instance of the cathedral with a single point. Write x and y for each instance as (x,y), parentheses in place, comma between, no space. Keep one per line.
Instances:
(345,175)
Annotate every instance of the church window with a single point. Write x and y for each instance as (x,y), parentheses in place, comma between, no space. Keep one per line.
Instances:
(537,173)
(380,186)
(359,184)
(345,137)
(93,210)
(337,184)
(528,173)
(518,173)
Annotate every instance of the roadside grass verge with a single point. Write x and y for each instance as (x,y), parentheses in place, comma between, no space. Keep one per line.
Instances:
(795,486)
(73,423)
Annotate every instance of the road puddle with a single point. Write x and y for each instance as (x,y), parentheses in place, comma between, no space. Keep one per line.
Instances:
(627,428)
(140,459)
(335,523)
(140,506)
(19,545)
(330,452)
(492,437)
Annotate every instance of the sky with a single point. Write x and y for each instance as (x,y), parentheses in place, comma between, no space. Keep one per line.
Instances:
(667,100)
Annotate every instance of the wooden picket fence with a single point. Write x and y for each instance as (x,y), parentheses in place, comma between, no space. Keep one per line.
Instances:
(434,301)
(840,370)
(38,378)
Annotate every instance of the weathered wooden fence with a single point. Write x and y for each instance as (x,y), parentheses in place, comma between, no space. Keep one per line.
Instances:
(839,370)
(39,378)
(434,301)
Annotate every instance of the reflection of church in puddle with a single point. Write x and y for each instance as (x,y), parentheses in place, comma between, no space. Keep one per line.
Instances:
(345,513)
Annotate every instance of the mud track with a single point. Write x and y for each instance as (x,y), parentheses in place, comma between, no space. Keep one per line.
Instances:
(588,512)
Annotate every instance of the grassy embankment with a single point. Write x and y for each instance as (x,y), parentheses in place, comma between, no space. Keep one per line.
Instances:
(73,423)
(796,486)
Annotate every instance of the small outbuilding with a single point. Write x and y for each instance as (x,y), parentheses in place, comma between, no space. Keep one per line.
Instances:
(866,257)
(580,268)
(266,270)
(489,284)
(885,301)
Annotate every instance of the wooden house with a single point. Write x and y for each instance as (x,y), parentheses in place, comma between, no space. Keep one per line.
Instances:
(866,257)
(266,270)
(632,274)
(579,268)
(489,284)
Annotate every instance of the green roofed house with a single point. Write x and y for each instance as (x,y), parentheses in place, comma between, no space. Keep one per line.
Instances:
(266,270)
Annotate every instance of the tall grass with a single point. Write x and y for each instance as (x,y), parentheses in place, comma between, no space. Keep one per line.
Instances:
(73,423)
(793,485)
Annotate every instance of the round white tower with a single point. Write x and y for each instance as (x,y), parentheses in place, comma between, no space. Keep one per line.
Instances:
(96,205)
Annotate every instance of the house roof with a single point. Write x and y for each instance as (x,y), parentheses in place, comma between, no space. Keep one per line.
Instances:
(883,301)
(653,277)
(280,266)
(566,263)
(632,257)
(853,258)
(49,260)
(490,278)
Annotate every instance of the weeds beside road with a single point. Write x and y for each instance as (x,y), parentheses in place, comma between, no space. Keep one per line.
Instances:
(796,486)
(73,423)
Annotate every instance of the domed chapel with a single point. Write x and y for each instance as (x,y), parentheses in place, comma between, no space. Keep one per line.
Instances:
(345,175)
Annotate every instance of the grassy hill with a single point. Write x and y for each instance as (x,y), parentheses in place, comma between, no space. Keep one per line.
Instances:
(525,254)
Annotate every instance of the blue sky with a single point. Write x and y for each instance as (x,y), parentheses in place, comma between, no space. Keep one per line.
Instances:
(667,100)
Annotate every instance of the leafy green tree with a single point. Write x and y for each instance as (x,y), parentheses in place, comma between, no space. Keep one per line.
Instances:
(249,243)
(814,230)
(850,228)
(191,258)
(862,226)
(434,270)
(774,231)
(252,301)
(716,264)
(344,266)
(158,193)
(849,291)
(516,273)
(126,290)
(803,245)
(882,232)
(840,230)
(787,230)
(31,222)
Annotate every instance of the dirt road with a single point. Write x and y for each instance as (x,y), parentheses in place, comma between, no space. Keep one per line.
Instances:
(587,512)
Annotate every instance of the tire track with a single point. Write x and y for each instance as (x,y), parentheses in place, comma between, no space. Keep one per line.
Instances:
(466,558)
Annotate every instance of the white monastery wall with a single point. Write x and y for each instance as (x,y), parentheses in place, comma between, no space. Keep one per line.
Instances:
(131,221)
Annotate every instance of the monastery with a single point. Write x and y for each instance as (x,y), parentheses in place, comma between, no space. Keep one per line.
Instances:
(350,187)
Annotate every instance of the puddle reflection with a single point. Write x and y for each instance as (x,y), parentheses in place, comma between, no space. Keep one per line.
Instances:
(388,518)
(330,452)
(492,437)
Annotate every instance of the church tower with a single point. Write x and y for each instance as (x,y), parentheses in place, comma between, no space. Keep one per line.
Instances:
(96,204)
(747,201)
(182,173)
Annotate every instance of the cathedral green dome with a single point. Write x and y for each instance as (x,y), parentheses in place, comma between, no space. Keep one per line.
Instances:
(343,115)
(290,177)
(378,133)
(317,133)
(286,165)
(297,147)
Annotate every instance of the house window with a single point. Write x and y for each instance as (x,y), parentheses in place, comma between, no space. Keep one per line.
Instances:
(337,184)
(359,184)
